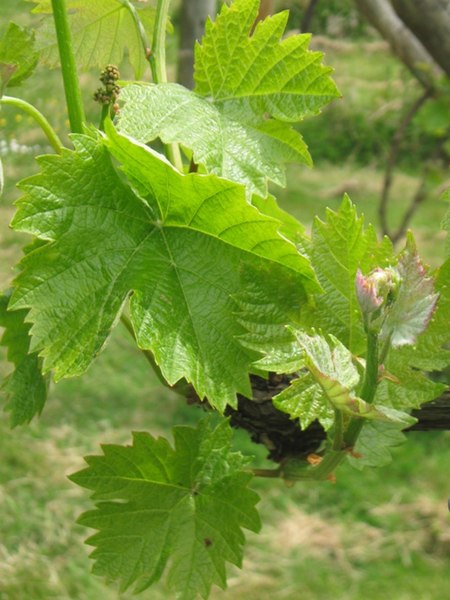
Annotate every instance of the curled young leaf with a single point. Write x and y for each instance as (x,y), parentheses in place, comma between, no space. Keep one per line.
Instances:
(410,312)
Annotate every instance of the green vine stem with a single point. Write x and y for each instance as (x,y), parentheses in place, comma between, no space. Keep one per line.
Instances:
(141,29)
(368,389)
(338,438)
(68,67)
(33,112)
(158,51)
(157,61)
(104,115)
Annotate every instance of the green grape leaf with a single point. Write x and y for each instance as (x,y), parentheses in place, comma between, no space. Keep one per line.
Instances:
(331,366)
(290,226)
(340,246)
(248,89)
(304,399)
(261,70)
(237,147)
(102,31)
(18,57)
(25,388)
(415,300)
(183,246)
(264,318)
(372,448)
(178,510)
(403,386)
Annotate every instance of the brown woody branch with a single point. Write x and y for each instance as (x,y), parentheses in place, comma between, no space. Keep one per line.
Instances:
(283,437)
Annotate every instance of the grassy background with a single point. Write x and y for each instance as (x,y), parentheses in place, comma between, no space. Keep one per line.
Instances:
(372,535)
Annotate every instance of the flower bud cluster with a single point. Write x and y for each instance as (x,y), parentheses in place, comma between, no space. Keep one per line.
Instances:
(110,92)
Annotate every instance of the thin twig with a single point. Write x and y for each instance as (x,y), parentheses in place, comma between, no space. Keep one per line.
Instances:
(308,15)
(416,201)
(393,156)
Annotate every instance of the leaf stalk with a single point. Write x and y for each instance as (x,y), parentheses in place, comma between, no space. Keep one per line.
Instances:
(35,114)
(157,61)
(141,30)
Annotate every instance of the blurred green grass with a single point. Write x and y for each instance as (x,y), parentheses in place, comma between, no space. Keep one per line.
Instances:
(378,534)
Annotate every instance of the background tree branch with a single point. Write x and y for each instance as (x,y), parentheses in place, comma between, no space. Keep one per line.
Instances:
(404,43)
(429,20)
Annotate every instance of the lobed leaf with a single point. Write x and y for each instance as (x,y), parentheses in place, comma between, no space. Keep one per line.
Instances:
(340,246)
(248,89)
(257,68)
(404,386)
(235,146)
(183,247)
(372,448)
(25,388)
(305,400)
(102,32)
(431,352)
(179,511)
(331,366)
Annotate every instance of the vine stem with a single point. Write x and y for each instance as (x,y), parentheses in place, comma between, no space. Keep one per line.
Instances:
(156,57)
(368,389)
(68,67)
(141,30)
(33,112)
(157,61)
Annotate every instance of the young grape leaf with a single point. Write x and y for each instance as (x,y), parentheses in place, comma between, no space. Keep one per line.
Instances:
(372,448)
(305,400)
(248,89)
(403,386)
(340,246)
(331,366)
(431,352)
(184,246)
(102,31)
(177,510)
(414,303)
(25,388)
(18,57)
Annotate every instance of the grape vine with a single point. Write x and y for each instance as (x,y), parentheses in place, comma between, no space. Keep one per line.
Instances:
(215,282)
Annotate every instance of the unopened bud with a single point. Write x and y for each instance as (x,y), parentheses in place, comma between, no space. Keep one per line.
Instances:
(377,289)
